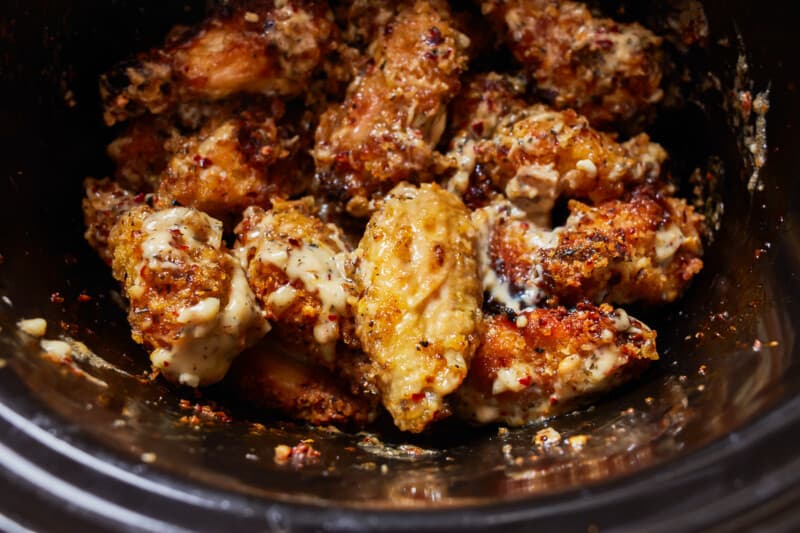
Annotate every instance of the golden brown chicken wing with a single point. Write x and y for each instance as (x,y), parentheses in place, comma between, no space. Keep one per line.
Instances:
(105,202)
(605,70)
(269,376)
(296,264)
(269,47)
(420,306)
(538,154)
(548,361)
(189,298)
(644,249)
(395,111)
(235,161)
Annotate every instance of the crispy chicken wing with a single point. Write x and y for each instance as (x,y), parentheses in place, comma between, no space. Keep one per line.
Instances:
(189,298)
(538,154)
(268,376)
(550,360)
(644,249)
(296,264)
(395,111)
(235,161)
(105,202)
(268,47)
(607,71)
(420,306)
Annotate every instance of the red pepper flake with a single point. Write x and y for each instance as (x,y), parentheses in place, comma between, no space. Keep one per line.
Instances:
(83,297)
(333,318)
(525,381)
(56,298)
(139,198)
(553,400)
(294,242)
(417,396)
(477,127)
(203,162)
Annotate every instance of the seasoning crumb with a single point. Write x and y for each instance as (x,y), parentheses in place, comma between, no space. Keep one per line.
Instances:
(251,457)
(299,454)
(506,449)
(546,437)
(757,345)
(521,321)
(703,370)
(118,423)
(384,469)
(649,400)
(35,327)
(502,431)
(148,457)
(282,453)
(251,17)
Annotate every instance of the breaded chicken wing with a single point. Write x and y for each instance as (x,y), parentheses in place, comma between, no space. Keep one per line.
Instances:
(608,71)
(269,376)
(296,264)
(269,47)
(105,202)
(539,154)
(420,305)
(395,111)
(644,249)
(189,298)
(235,161)
(548,361)
(140,153)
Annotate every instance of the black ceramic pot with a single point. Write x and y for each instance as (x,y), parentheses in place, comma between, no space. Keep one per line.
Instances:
(708,437)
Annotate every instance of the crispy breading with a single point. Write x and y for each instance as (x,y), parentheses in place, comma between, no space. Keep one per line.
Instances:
(140,154)
(394,114)
(643,249)
(538,154)
(267,47)
(549,361)
(268,376)
(296,265)
(189,299)
(474,114)
(105,202)
(605,70)
(250,158)
(420,306)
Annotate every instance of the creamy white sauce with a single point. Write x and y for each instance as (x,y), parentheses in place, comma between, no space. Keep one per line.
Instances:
(35,327)
(668,241)
(212,333)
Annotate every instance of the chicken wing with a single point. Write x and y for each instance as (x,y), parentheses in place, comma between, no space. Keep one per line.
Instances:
(608,71)
(644,249)
(296,264)
(105,202)
(395,111)
(248,158)
(269,47)
(539,154)
(549,361)
(420,306)
(268,376)
(189,298)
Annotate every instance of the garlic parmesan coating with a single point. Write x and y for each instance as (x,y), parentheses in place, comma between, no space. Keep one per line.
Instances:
(608,71)
(296,265)
(268,376)
(394,113)
(269,47)
(190,303)
(420,306)
(645,249)
(548,361)
(539,154)
(105,202)
(249,158)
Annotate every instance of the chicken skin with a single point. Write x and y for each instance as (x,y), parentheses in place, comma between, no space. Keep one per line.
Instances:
(549,361)
(607,71)
(105,202)
(190,303)
(394,113)
(420,306)
(269,47)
